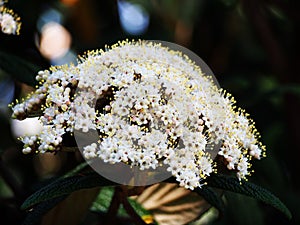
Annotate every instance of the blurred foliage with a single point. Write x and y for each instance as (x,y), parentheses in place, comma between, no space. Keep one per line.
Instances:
(251,46)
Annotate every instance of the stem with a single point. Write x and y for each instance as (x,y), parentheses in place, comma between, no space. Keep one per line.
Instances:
(132,213)
(120,197)
(115,203)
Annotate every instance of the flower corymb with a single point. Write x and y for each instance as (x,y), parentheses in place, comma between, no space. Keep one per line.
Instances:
(9,21)
(150,106)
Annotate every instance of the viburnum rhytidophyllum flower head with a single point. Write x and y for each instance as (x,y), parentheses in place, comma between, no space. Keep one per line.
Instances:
(9,21)
(150,106)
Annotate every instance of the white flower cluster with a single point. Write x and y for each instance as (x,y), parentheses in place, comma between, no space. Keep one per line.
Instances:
(9,22)
(150,106)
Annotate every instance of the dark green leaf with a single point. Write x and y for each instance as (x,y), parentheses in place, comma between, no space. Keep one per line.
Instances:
(238,211)
(35,215)
(247,188)
(68,211)
(76,170)
(66,186)
(290,88)
(67,204)
(229,3)
(20,69)
(211,197)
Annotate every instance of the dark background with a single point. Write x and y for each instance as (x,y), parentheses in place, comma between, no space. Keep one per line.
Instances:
(250,45)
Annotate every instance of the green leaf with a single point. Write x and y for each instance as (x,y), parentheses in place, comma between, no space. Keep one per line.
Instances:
(102,203)
(212,197)
(77,169)
(19,68)
(290,88)
(238,211)
(229,3)
(65,186)
(51,211)
(138,208)
(230,183)
(35,215)
(68,211)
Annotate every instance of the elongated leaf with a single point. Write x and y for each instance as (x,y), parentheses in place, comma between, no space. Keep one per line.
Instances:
(20,69)
(139,208)
(247,188)
(55,211)
(73,209)
(212,197)
(102,202)
(76,170)
(43,207)
(239,211)
(66,186)
(35,215)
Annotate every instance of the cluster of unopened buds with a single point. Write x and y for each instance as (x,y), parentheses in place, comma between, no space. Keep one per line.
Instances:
(9,21)
(150,106)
